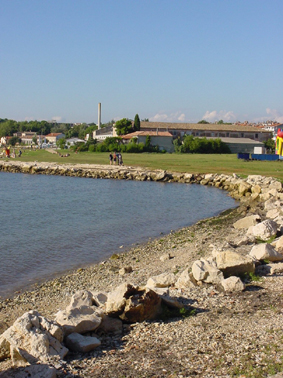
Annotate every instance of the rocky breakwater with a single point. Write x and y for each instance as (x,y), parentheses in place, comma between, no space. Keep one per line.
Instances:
(238,188)
(227,271)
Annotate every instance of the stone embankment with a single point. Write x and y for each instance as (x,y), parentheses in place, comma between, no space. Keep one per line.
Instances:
(205,301)
(237,187)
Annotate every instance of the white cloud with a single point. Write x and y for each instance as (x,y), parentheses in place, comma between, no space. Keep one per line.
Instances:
(274,115)
(216,116)
(172,117)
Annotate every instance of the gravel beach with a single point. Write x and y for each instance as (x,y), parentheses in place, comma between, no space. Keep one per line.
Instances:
(227,335)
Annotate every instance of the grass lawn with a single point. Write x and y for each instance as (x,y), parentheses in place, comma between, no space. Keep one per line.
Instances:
(191,163)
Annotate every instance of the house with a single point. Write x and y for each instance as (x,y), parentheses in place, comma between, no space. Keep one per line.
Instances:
(208,130)
(162,139)
(241,145)
(274,127)
(54,137)
(103,133)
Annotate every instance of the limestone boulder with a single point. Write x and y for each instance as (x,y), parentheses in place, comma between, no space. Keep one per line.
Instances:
(232,284)
(273,213)
(81,298)
(186,280)
(162,280)
(99,298)
(203,270)
(279,245)
(32,338)
(233,264)
(264,230)
(133,304)
(79,343)
(244,188)
(265,251)
(80,320)
(247,222)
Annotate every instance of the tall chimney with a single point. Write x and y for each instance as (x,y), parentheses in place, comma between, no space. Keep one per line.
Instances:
(99,115)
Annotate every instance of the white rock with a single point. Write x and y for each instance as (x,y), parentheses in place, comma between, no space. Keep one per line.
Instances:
(273,213)
(30,341)
(264,230)
(203,270)
(79,343)
(233,284)
(233,264)
(265,251)
(247,222)
(276,268)
(80,298)
(279,245)
(185,280)
(79,320)
(162,280)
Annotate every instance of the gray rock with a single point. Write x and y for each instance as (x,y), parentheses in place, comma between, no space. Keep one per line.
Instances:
(79,343)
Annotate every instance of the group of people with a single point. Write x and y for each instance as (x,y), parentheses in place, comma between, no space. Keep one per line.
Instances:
(7,153)
(113,158)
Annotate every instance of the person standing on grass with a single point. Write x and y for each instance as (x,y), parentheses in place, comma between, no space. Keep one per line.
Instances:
(114,157)
(111,158)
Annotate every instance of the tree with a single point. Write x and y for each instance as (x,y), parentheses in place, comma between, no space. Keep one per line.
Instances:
(124,126)
(220,122)
(12,141)
(203,121)
(61,143)
(137,123)
(270,145)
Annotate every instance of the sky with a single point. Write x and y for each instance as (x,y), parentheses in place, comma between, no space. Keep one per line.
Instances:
(165,60)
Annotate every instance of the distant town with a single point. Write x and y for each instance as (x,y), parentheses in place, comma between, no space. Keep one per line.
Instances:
(160,136)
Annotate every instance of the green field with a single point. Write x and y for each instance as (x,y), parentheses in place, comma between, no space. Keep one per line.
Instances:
(191,163)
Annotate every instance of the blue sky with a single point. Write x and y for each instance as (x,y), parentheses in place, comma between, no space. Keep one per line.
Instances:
(175,61)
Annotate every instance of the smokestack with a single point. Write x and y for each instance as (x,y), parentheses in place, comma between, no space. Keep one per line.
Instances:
(99,115)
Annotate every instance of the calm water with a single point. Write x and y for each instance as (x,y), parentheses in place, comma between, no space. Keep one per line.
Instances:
(51,224)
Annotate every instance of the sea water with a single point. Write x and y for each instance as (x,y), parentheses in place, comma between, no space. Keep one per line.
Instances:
(51,224)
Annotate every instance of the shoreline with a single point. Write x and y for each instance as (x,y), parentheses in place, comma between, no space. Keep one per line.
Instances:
(211,344)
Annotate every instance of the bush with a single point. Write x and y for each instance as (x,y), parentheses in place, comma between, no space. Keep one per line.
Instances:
(191,144)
